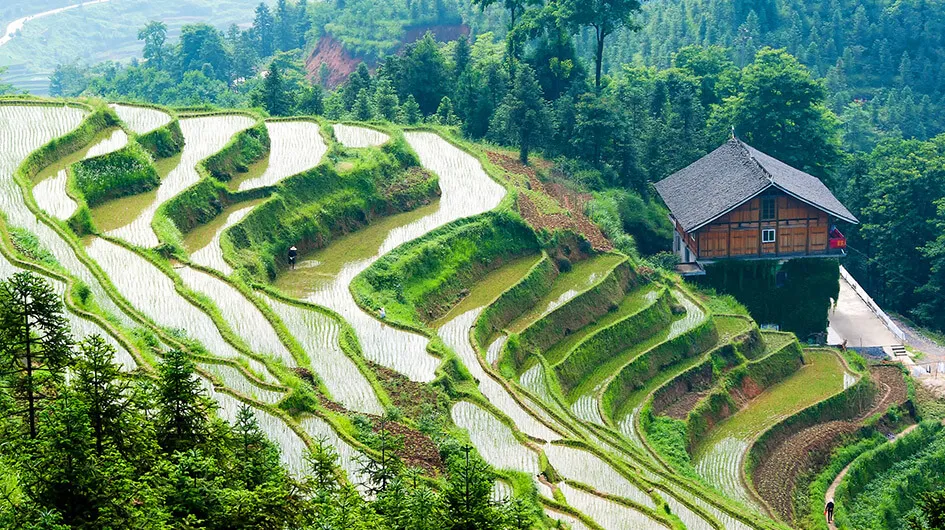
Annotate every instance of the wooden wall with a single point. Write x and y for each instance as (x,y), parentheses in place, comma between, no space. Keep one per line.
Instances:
(799,229)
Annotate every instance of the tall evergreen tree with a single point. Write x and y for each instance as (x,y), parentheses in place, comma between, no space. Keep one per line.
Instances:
(524,115)
(182,407)
(604,16)
(100,386)
(35,344)
(264,28)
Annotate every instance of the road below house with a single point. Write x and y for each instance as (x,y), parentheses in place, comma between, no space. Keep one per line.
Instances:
(852,320)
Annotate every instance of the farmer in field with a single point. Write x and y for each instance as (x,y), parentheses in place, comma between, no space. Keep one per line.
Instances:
(382,314)
(293,255)
(828,511)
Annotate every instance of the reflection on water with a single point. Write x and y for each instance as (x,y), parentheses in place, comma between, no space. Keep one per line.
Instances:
(466,190)
(203,137)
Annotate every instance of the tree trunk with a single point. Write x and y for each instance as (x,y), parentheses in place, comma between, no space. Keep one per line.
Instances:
(600,57)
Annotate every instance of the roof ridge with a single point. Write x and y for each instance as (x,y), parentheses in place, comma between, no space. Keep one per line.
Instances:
(751,157)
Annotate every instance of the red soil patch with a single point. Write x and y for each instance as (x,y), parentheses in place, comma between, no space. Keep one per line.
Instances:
(681,408)
(808,449)
(574,220)
(331,52)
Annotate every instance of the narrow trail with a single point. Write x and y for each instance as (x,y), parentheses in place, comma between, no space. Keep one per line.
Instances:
(836,482)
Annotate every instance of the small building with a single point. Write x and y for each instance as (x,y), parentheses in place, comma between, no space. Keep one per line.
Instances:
(739,203)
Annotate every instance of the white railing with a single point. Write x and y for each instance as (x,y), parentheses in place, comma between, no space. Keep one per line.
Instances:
(874,307)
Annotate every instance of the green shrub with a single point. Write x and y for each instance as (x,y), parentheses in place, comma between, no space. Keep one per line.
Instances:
(514,302)
(165,141)
(248,146)
(421,280)
(128,171)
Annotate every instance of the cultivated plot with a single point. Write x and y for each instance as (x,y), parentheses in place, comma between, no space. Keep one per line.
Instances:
(141,120)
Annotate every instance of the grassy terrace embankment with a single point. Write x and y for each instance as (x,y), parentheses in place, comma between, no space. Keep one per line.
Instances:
(590,314)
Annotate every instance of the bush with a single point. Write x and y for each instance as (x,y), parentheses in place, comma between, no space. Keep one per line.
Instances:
(128,171)
(165,141)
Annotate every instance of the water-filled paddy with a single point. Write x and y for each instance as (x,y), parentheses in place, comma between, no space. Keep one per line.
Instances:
(154,294)
(204,137)
(585,467)
(244,318)
(203,242)
(295,146)
(493,439)
(605,512)
(358,137)
(318,335)
(141,120)
(24,129)
(466,190)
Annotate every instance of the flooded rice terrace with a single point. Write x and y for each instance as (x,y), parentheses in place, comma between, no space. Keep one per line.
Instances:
(324,277)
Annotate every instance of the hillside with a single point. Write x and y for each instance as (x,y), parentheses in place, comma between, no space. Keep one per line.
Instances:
(439,300)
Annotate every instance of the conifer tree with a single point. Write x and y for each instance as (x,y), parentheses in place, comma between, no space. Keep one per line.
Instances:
(35,344)
(100,386)
(182,407)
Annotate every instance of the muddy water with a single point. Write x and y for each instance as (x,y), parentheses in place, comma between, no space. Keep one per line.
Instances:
(244,318)
(295,147)
(318,335)
(203,137)
(466,190)
(203,242)
(24,129)
(50,189)
(141,120)
(358,137)
(154,295)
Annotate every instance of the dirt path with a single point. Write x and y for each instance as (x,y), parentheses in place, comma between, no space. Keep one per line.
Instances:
(836,482)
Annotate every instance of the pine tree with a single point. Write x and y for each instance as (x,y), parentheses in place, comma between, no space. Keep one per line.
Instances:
(411,111)
(274,96)
(524,115)
(182,407)
(362,106)
(468,493)
(322,460)
(35,344)
(385,100)
(445,115)
(100,386)
(264,29)
(257,460)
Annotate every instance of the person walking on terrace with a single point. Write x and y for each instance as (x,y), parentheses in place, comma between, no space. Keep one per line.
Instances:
(828,511)
(293,255)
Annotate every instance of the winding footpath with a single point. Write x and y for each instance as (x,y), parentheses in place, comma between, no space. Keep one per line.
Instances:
(836,482)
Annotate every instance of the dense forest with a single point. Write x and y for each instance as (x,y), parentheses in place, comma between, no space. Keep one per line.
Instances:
(85,446)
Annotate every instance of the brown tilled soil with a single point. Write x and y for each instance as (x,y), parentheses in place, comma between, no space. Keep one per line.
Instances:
(575,220)
(418,451)
(684,405)
(808,449)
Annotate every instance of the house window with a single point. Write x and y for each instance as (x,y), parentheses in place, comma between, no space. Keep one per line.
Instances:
(767,235)
(768,209)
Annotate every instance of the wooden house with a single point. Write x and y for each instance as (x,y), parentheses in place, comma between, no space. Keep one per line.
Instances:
(739,203)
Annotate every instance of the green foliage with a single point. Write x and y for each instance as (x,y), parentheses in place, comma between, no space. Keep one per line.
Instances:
(512,303)
(128,171)
(882,485)
(631,222)
(604,344)
(576,313)
(248,146)
(669,437)
(799,305)
(165,141)
(421,280)
(27,244)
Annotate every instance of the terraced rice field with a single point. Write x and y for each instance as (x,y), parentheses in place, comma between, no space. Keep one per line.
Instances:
(359,137)
(269,330)
(203,137)
(142,120)
(466,190)
(295,146)
(719,458)
(607,513)
(493,439)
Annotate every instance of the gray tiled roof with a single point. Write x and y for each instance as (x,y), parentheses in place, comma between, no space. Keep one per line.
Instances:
(733,174)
